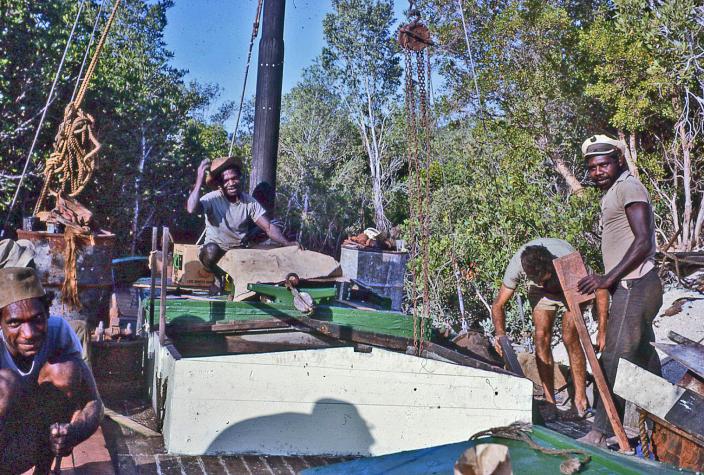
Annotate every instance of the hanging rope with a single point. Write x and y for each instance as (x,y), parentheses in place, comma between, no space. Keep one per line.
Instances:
(255,32)
(643,433)
(41,119)
(414,39)
(90,44)
(75,147)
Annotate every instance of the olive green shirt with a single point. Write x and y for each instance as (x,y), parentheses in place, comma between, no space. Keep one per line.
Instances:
(616,233)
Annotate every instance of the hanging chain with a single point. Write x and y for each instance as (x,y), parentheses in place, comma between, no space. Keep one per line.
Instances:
(414,39)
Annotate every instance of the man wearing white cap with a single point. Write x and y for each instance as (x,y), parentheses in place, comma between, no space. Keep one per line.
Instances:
(48,399)
(628,251)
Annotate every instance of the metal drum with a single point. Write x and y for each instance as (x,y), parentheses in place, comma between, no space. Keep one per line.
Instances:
(93,269)
(382,271)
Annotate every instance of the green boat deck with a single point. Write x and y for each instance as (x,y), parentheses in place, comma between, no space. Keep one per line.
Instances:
(524,460)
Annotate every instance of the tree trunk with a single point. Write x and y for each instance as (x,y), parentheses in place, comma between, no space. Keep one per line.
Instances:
(630,154)
(134,227)
(380,220)
(685,144)
(560,166)
(572,181)
(304,216)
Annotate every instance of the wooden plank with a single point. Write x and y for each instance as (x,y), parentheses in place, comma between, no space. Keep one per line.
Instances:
(690,355)
(678,406)
(130,424)
(570,270)
(162,296)
(152,279)
(510,357)
(246,325)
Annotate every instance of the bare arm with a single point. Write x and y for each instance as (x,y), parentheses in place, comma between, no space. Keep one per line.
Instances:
(274,232)
(82,391)
(601,308)
(498,314)
(638,215)
(193,203)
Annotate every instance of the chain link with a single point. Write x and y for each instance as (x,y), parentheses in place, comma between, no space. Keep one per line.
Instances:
(419,156)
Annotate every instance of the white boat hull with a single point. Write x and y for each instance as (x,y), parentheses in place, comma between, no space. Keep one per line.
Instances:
(331,401)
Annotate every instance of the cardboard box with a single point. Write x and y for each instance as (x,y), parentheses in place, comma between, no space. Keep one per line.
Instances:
(187,269)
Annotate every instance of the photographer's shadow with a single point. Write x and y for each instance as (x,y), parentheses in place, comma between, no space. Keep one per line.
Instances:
(333,428)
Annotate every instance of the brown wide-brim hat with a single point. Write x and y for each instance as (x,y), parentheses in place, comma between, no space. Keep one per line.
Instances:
(19,283)
(218,166)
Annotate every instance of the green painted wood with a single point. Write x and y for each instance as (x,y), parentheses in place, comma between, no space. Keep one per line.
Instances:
(198,312)
(524,460)
(283,295)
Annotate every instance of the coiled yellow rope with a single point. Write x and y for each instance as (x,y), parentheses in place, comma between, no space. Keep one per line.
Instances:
(72,162)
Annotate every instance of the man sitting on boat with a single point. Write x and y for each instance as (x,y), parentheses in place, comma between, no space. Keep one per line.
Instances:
(227,210)
(48,398)
(534,262)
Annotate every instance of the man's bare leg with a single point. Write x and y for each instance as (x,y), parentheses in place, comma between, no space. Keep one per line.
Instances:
(578,363)
(543,320)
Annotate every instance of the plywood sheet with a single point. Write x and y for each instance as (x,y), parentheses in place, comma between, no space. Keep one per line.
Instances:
(268,266)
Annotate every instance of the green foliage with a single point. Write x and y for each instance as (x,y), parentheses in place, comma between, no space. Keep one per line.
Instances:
(361,58)
(488,200)
(321,168)
(147,117)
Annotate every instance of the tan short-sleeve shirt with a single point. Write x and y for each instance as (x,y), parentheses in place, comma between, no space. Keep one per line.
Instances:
(225,222)
(514,271)
(616,233)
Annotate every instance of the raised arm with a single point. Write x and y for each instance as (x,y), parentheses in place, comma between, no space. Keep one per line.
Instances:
(274,232)
(498,314)
(193,203)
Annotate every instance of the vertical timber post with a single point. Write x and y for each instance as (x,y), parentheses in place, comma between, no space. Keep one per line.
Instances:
(267,105)
(162,294)
(152,282)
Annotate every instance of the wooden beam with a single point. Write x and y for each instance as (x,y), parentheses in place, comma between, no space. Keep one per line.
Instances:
(570,270)
(152,281)
(246,325)
(678,406)
(162,296)
(130,424)
(509,356)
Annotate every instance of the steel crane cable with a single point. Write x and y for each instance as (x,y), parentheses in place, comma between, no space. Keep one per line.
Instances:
(255,32)
(42,118)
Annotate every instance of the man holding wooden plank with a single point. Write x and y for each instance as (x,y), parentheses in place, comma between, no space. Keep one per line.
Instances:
(534,261)
(628,251)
